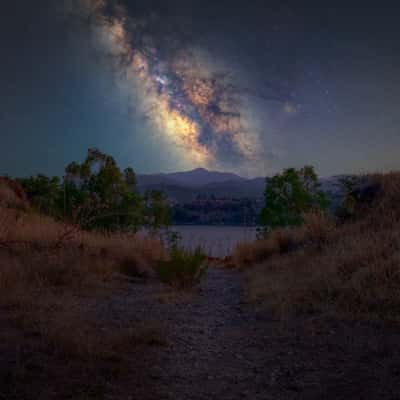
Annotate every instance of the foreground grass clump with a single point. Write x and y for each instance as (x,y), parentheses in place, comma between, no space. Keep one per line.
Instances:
(316,230)
(351,269)
(183,269)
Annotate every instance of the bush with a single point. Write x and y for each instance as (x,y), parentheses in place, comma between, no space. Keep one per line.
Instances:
(183,269)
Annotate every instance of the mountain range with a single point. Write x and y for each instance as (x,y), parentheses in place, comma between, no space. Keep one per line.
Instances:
(186,186)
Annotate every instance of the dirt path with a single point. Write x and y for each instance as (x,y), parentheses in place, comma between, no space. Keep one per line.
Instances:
(211,354)
(222,348)
(210,345)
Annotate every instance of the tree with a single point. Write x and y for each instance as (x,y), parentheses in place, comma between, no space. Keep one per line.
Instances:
(157,210)
(44,193)
(96,194)
(105,197)
(289,195)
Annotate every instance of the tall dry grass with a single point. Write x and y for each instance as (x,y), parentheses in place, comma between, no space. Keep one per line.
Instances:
(352,269)
(36,251)
(48,270)
(317,229)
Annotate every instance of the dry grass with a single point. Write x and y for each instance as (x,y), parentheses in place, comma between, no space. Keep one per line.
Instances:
(37,251)
(317,228)
(247,254)
(47,269)
(352,269)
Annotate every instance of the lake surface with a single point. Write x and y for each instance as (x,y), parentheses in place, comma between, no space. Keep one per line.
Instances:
(217,241)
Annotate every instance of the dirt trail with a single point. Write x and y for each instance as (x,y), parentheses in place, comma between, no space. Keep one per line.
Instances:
(222,348)
(211,354)
(215,347)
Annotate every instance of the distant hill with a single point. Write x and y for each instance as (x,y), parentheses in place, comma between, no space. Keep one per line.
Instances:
(201,176)
(194,178)
(187,186)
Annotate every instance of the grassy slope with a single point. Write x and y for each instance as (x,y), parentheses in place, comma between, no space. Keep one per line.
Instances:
(52,343)
(350,269)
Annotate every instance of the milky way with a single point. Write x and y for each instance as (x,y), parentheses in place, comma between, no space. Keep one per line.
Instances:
(189,101)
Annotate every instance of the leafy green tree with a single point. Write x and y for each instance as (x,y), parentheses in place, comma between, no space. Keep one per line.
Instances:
(44,193)
(97,195)
(289,195)
(104,196)
(157,210)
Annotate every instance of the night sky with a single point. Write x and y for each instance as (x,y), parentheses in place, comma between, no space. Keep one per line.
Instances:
(245,86)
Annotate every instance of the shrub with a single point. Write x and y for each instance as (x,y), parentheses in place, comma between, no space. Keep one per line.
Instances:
(183,269)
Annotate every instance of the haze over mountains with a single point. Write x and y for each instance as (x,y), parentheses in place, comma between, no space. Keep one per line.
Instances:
(187,186)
